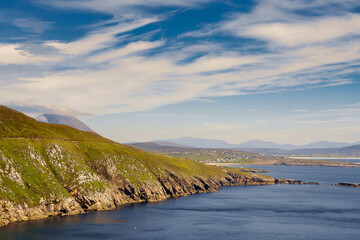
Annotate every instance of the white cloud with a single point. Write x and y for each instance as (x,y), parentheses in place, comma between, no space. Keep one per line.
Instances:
(100,39)
(216,63)
(128,49)
(118,6)
(32,24)
(107,79)
(278,21)
(306,32)
(14,54)
(38,109)
(133,83)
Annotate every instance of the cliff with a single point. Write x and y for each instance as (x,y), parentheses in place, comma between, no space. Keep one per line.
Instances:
(49,169)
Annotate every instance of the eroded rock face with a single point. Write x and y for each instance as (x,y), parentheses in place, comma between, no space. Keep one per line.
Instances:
(288,181)
(356,185)
(123,192)
(115,189)
(14,213)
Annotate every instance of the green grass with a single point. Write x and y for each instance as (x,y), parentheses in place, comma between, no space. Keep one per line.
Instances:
(54,160)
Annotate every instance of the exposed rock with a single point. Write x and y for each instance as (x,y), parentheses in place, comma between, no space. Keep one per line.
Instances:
(122,193)
(356,185)
(253,170)
(288,181)
(13,213)
(311,183)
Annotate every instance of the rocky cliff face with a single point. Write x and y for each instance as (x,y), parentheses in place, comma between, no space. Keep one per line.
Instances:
(48,170)
(122,192)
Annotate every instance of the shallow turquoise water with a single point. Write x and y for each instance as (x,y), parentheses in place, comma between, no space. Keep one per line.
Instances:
(242,212)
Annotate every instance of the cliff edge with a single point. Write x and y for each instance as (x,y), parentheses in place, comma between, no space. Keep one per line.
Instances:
(50,169)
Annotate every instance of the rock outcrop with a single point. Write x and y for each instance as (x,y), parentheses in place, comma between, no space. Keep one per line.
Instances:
(356,185)
(121,193)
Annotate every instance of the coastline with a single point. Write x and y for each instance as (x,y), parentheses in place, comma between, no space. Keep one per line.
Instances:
(172,187)
(327,158)
(306,162)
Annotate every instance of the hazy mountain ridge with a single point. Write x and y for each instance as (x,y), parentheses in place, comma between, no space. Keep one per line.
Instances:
(238,157)
(253,144)
(352,150)
(64,120)
(196,142)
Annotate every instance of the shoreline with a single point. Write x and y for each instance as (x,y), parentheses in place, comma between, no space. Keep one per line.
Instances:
(174,188)
(326,158)
(325,164)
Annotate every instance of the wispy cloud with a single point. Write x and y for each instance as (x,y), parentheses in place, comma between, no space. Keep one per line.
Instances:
(36,110)
(31,24)
(306,32)
(116,7)
(125,51)
(99,39)
(110,70)
(15,54)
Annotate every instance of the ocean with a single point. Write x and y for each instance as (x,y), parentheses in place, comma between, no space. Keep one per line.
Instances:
(239,212)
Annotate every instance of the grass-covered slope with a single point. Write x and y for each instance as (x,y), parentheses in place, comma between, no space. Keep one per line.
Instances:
(14,124)
(48,169)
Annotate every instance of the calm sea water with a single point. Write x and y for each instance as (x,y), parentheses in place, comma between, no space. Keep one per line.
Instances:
(243,212)
(354,160)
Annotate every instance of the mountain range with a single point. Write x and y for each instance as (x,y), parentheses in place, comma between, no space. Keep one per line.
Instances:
(193,142)
(253,144)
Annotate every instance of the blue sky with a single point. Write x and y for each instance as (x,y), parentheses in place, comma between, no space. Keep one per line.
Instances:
(136,70)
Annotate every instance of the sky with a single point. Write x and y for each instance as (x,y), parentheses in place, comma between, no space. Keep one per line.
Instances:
(285,71)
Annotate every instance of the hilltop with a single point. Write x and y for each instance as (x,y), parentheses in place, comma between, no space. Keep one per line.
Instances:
(51,169)
(64,120)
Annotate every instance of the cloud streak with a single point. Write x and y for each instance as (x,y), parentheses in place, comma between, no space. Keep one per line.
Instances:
(112,70)
(32,25)
(116,7)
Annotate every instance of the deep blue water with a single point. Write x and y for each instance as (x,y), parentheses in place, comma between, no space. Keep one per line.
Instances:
(323,175)
(242,212)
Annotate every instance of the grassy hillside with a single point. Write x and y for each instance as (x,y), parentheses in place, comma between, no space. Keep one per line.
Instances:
(14,124)
(40,160)
(46,165)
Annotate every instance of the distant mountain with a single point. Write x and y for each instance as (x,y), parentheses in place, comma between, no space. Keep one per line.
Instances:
(350,151)
(263,144)
(353,150)
(259,145)
(64,120)
(197,142)
(155,147)
(326,144)
(170,144)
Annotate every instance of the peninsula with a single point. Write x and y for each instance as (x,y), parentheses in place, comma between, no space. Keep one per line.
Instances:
(50,169)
